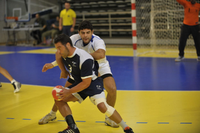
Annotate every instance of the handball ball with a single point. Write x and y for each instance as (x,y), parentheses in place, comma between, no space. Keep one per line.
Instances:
(55,91)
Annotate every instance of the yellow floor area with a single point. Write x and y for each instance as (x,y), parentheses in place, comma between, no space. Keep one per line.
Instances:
(2,52)
(144,111)
(141,52)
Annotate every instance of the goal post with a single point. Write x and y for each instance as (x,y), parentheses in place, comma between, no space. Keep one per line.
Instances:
(159,24)
(134,29)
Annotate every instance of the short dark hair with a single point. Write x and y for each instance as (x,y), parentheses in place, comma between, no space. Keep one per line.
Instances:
(63,39)
(85,25)
(67,2)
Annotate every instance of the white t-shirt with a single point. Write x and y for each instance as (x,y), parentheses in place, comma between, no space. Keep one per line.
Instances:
(95,44)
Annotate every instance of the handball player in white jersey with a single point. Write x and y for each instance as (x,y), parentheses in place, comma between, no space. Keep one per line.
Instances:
(94,45)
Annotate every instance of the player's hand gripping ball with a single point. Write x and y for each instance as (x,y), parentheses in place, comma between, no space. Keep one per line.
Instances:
(55,91)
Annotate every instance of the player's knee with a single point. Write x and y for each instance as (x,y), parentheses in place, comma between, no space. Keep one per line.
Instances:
(105,108)
(59,103)
(102,107)
(110,110)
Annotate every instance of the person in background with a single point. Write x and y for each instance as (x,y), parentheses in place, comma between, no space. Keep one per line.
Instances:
(16,85)
(67,20)
(37,34)
(190,26)
(52,32)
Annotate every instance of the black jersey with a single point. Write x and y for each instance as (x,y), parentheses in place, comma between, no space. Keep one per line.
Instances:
(81,65)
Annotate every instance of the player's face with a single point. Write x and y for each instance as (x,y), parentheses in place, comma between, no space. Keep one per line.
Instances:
(67,6)
(86,35)
(62,50)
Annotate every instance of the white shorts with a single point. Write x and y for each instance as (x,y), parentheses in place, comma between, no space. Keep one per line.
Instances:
(104,68)
(93,98)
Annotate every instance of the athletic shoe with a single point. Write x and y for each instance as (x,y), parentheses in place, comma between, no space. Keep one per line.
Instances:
(69,130)
(17,86)
(0,84)
(109,122)
(47,118)
(128,130)
(198,59)
(180,58)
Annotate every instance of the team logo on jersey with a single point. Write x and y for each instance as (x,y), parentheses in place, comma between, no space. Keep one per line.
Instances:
(98,87)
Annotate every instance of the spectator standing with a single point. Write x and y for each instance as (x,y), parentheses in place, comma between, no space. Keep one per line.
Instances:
(67,20)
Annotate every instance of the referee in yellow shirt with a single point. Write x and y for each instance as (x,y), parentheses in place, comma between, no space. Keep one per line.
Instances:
(67,20)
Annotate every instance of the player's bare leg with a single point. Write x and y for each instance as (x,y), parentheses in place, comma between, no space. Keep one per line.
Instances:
(67,114)
(114,116)
(52,115)
(110,86)
(16,85)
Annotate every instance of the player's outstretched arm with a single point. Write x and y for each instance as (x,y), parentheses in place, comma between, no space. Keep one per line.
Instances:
(47,66)
(64,74)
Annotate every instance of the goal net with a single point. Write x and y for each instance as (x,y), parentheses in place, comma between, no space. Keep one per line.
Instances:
(159,24)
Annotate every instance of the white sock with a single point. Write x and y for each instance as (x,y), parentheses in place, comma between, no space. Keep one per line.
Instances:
(13,81)
(123,124)
(52,112)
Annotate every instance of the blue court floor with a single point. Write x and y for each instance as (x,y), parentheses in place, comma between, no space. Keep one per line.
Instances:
(155,95)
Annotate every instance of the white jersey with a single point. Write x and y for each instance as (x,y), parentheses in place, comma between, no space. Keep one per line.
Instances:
(95,44)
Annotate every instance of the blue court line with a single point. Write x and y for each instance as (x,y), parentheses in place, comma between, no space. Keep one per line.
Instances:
(186,123)
(163,122)
(61,120)
(104,122)
(80,121)
(100,121)
(10,118)
(26,119)
(141,122)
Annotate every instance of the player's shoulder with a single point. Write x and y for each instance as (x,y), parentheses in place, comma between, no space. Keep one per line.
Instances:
(83,54)
(96,38)
(75,39)
(63,10)
(75,36)
(71,10)
(198,4)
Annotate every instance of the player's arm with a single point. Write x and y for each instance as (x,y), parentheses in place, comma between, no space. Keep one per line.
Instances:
(60,23)
(99,54)
(182,2)
(64,73)
(48,66)
(86,76)
(79,87)
(73,25)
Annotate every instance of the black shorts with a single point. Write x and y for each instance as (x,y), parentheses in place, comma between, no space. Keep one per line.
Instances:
(96,87)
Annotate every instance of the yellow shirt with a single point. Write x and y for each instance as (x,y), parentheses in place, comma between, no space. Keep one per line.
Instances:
(67,17)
